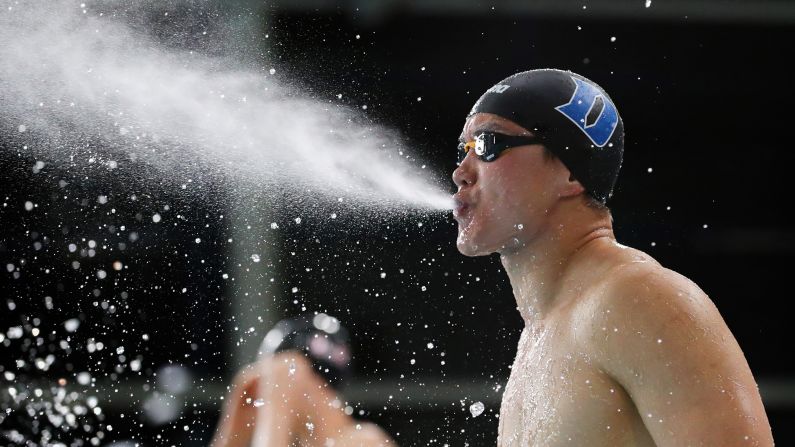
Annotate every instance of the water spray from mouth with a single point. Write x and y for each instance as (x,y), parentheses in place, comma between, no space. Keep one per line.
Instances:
(69,72)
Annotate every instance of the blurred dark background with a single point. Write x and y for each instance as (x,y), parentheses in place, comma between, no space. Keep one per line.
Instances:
(704,188)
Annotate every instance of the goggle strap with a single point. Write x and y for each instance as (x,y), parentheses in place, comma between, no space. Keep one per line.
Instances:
(502,142)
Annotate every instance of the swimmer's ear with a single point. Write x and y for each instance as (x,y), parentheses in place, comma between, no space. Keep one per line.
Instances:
(569,186)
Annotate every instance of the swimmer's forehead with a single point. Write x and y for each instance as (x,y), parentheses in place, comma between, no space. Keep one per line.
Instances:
(487,122)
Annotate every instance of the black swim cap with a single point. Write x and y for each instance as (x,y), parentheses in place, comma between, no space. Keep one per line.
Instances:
(574,117)
(321,338)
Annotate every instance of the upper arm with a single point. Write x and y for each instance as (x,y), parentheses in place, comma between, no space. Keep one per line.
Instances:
(236,422)
(280,391)
(663,340)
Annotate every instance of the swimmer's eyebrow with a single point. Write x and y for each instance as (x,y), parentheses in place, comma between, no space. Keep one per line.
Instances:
(485,127)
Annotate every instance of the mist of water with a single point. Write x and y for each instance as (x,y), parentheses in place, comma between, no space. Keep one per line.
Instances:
(73,74)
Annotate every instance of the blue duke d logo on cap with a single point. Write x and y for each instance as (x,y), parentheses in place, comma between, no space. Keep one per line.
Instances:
(587,96)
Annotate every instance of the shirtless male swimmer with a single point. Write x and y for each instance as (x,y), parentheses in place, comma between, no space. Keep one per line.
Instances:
(292,395)
(616,350)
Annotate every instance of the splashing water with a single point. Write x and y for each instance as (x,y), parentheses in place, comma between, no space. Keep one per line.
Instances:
(75,75)
(476,409)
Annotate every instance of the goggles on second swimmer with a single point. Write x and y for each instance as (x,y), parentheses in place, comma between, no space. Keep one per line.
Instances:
(489,145)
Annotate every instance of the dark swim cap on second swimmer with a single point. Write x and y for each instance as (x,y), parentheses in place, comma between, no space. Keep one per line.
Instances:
(574,117)
(318,336)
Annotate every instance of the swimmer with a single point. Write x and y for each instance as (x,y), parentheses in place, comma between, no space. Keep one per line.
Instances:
(617,350)
(291,396)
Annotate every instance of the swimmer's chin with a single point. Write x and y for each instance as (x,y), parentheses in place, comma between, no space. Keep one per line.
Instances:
(472,247)
(467,251)
(464,245)
(469,248)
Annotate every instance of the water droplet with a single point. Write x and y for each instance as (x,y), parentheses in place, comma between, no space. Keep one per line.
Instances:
(259,403)
(255,257)
(476,409)
(83,378)
(156,218)
(71,324)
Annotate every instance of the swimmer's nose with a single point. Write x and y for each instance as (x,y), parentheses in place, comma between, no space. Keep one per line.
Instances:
(464,175)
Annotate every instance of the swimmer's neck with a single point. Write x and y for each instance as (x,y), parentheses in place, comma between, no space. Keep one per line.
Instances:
(537,269)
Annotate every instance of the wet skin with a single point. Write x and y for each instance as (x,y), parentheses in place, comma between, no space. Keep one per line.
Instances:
(617,350)
(280,401)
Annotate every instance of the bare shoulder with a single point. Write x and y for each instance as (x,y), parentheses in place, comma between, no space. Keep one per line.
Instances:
(644,301)
(660,337)
(633,292)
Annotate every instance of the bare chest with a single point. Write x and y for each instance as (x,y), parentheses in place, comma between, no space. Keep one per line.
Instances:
(555,396)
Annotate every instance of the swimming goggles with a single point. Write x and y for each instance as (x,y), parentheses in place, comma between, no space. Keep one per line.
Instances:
(489,145)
